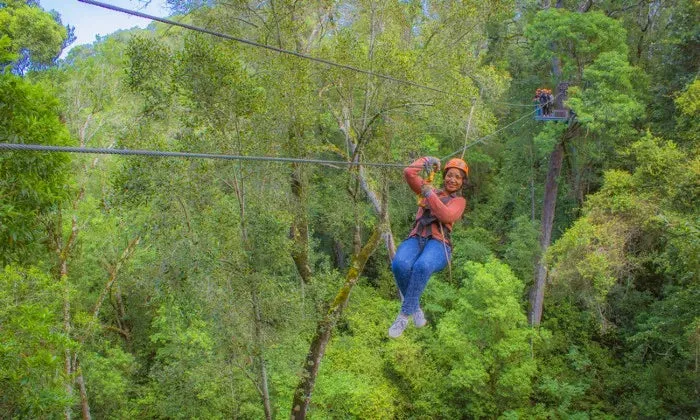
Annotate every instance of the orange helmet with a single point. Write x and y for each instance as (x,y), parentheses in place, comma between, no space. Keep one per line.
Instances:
(456,163)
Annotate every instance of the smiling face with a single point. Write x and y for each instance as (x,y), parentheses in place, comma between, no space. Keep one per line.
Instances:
(453,180)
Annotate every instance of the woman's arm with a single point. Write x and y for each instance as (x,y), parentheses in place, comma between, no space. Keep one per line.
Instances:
(449,213)
(412,173)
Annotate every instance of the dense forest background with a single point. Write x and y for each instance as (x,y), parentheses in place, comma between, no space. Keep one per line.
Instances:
(141,287)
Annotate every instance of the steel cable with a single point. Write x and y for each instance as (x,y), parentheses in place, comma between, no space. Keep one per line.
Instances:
(160,153)
(481,139)
(265,46)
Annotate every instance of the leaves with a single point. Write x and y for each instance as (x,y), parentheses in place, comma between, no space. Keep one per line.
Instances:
(30,31)
(30,184)
(209,316)
(33,343)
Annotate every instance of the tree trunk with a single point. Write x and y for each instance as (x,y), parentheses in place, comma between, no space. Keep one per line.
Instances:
(257,317)
(84,404)
(548,210)
(302,394)
(585,6)
(549,206)
(62,250)
(387,236)
(299,231)
(532,183)
(67,331)
(338,254)
(264,388)
(354,142)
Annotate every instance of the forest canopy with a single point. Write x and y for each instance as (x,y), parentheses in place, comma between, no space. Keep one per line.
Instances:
(152,287)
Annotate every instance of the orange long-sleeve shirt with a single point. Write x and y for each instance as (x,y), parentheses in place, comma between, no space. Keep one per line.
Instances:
(445,213)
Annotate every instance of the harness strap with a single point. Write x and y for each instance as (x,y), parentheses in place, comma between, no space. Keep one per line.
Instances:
(427,220)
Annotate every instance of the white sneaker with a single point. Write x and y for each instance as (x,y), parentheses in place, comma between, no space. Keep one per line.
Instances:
(398,326)
(419,318)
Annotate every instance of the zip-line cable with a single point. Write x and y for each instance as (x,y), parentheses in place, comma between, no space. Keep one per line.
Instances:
(510,103)
(281,50)
(160,153)
(481,139)
(269,47)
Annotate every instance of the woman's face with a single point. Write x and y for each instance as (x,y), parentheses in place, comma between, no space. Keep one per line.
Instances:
(453,180)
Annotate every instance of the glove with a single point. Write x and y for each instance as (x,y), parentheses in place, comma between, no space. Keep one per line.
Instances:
(426,190)
(431,164)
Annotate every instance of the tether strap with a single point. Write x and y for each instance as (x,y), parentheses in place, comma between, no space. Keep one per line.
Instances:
(447,257)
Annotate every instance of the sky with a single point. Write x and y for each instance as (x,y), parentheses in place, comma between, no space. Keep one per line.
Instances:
(90,20)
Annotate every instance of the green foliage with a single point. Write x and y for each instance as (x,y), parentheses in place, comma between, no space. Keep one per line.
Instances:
(185,378)
(688,105)
(31,184)
(150,72)
(485,342)
(546,139)
(193,315)
(27,29)
(109,374)
(689,101)
(32,344)
(610,99)
(215,79)
(522,249)
(577,39)
(351,383)
(473,244)
(625,251)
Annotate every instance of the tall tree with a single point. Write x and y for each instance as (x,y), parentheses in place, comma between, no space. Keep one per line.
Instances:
(30,37)
(585,47)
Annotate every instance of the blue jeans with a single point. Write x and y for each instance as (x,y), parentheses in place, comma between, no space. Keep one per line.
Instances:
(415,261)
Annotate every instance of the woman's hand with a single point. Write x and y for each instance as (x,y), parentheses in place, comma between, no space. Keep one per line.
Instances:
(426,190)
(431,164)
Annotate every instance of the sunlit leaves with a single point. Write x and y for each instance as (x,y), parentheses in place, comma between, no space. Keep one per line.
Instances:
(27,29)
(31,184)
(575,38)
(689,101)
(486,340)
(32,343)
(610,99)
(216,80)
(625,221)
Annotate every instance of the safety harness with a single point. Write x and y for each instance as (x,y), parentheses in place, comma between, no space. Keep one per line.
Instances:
(424,224)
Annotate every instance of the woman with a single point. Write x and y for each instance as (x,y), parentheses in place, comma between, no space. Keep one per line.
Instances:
(428,248)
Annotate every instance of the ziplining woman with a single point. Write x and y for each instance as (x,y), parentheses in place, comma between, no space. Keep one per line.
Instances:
(427,248)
